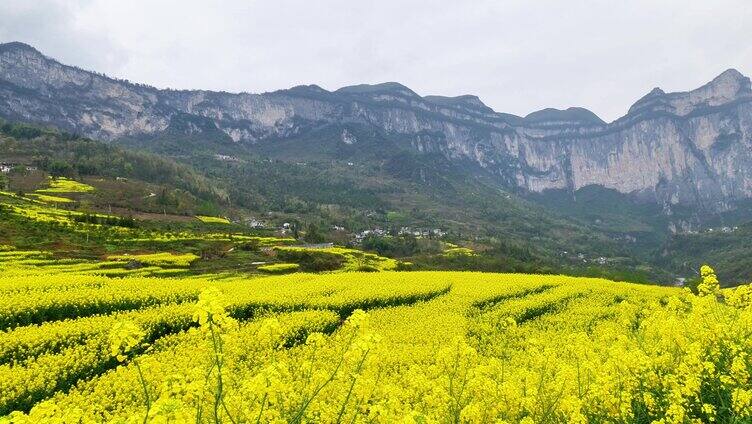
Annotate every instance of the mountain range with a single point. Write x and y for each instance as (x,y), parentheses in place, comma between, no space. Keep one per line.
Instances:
(673,163)
(674,148)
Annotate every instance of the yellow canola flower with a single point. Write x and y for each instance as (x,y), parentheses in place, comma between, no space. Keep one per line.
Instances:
(210,310)
(396,347)
(709,284)
(125,336)
(741,401)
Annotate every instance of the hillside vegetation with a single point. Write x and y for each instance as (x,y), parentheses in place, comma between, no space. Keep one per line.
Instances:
(406,190)
(66,155)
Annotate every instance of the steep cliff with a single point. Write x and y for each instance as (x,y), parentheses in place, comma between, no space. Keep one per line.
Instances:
(689,148)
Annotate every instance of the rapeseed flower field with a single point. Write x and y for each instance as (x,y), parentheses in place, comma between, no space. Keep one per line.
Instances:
(66,185)
(384,347)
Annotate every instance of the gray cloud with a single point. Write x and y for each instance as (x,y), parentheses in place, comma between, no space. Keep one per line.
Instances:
(518,56)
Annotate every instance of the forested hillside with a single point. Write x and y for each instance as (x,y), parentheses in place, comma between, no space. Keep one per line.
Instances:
(338,200)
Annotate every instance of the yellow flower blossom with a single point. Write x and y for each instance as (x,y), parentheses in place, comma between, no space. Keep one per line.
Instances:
(124,337)
(709,284)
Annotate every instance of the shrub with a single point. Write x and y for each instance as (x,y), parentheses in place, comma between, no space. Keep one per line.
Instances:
(283,268)
(311,259)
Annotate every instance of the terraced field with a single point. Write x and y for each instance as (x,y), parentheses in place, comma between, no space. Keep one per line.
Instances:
(105,318)
(370,347)
(54,239)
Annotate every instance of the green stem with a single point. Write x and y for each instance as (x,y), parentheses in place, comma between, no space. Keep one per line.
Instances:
(218,363)
(299,416)
(146,391)
(219,395)
(352,385)
(263,404)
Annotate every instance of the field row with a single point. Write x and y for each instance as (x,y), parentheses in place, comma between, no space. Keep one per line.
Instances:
(432,346)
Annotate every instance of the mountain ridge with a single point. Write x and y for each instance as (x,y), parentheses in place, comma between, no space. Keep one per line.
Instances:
(729,75)
(688,148)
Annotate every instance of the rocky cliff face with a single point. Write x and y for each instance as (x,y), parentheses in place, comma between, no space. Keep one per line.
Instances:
(674,148)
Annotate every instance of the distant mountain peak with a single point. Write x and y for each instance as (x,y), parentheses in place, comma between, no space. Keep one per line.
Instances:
(303,89)
(470,99)
(731,73)
(572,115)
(384,87)
(19,49)
(312,87)
(17,45)
(465,100)
(727,87)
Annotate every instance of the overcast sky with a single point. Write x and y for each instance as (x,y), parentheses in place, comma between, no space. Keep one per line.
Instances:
(517,56)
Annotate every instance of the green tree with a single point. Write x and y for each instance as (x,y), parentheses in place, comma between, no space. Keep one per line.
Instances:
(313,234)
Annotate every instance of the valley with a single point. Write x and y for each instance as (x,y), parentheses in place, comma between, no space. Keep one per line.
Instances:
(380,158)
(369,255)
